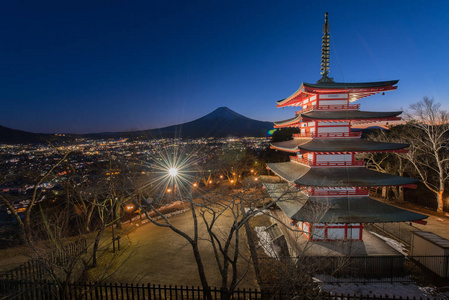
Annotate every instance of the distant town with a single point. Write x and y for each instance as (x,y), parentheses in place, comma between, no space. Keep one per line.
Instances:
(20,160)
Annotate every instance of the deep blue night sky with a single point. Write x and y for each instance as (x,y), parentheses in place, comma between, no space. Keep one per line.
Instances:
(93,66)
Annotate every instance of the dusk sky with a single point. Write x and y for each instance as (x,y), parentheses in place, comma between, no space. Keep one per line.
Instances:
(95,66)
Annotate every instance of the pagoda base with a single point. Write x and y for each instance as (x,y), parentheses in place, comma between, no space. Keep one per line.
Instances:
(299,245)
(315,232)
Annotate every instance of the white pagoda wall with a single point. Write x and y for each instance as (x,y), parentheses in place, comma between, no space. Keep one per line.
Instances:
(343,129)
(333,96)
(333,102)
(333,157)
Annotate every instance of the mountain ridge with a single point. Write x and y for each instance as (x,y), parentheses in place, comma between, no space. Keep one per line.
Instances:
(222,122)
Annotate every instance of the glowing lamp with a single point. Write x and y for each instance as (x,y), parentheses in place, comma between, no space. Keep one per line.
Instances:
(173,172)
(168,190)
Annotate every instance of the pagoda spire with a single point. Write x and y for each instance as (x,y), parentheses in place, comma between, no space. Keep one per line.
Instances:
(325,53)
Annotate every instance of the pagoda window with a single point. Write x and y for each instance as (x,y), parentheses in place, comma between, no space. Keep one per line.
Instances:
(331,103)
(331,157)
(331,123)
(339,129)
(310,156)
(334,96)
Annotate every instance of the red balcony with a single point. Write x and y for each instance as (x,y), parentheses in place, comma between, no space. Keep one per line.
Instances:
(308,162)
(340,163)
(330,107)
(328,135)
(338,192)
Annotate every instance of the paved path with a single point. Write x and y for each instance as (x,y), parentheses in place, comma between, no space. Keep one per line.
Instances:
(160,256)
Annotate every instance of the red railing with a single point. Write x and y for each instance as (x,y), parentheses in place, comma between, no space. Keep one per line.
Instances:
(340,163)
(357,192)
(328,134)
(329,107)
(305,161)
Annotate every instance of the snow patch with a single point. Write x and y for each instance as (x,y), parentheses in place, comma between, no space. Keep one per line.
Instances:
(377,289)
(401,248)
(266,242)
(260,212)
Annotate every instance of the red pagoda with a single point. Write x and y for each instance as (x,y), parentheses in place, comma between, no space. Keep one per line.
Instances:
(331,200)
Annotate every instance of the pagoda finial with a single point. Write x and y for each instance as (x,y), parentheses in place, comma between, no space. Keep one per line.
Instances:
(325,53)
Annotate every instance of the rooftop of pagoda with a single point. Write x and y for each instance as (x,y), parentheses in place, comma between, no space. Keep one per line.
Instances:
(337,145)
(301,207)
(356,91)
(303,175)
(340,115)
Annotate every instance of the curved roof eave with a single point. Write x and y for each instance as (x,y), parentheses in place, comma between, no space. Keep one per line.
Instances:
(336,177)
(288,121)
(352,210)
(296,93)
(300,207)
(350,85)
(337,145)
(348,115)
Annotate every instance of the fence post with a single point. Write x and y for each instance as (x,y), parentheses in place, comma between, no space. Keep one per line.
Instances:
(391,269)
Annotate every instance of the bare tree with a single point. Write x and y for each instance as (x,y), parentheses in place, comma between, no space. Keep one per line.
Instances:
(221,213)
(429,145)
(37,194)
(234,162)
(392,163)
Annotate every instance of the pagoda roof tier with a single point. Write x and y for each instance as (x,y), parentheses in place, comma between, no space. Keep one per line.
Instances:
(348,115)
(356,91)
(336,145)
(300,207)
(340,115)
(335,177)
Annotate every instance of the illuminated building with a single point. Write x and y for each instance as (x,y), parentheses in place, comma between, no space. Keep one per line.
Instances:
(331,200)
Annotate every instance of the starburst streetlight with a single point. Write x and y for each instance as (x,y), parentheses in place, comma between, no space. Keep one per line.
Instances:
(173,172)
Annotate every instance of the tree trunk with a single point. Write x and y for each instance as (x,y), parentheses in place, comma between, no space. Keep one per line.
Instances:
(440,201)
(90,211)
(398,193)
(95,248)
(199,263)
(401,193)
(118,221)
